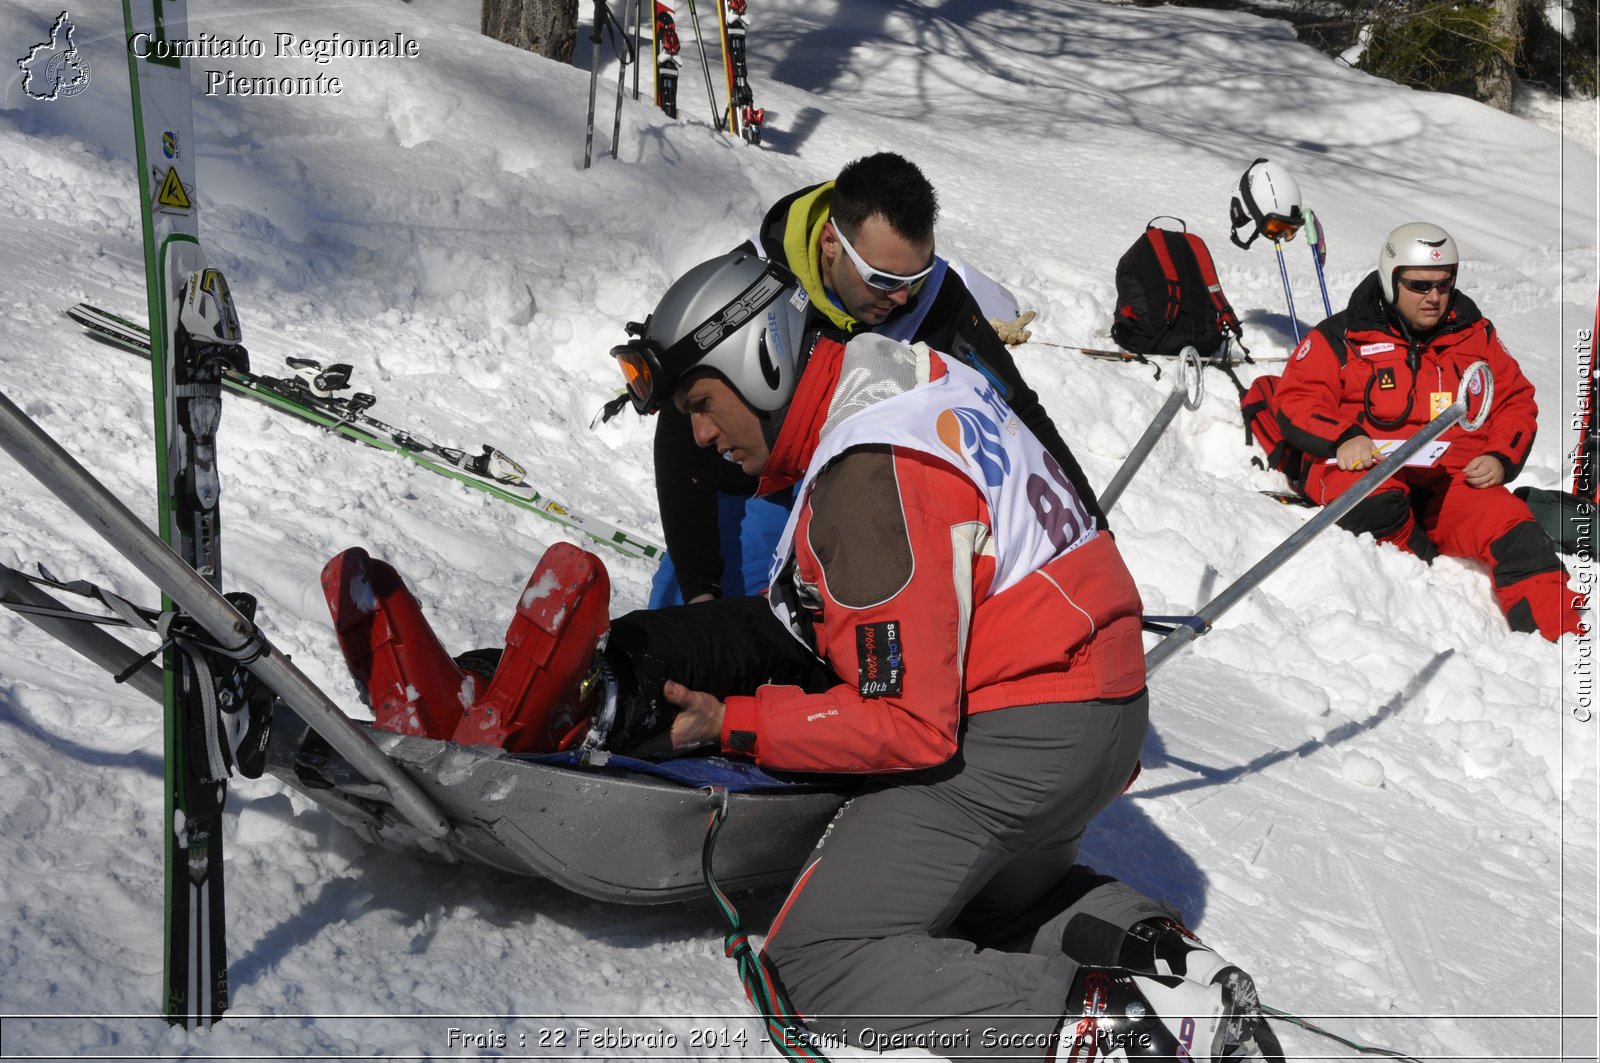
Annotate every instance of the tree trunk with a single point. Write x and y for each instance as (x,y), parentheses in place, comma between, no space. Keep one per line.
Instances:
(549,27)
(1494,81)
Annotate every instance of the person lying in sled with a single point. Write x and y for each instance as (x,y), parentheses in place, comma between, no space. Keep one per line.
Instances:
(946,620)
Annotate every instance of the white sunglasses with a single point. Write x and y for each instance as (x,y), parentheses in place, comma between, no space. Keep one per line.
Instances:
(877,278)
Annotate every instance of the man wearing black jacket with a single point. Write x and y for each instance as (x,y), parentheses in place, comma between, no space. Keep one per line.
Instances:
(862,245)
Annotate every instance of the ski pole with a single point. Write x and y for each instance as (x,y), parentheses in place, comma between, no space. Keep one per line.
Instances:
(731,119)
(594,77)
(638,38)
(237,636)
(705,63)
(1288,294)
(1187,390)
(1392,463)
(622,69)
(1318,242)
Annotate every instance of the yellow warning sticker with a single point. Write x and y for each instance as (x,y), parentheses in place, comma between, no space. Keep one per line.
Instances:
(172,193)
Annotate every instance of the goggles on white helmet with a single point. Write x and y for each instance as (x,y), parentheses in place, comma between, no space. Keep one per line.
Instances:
(737,314)
(1268,204)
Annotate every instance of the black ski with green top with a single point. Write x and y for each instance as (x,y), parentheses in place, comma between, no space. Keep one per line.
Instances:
(193,338)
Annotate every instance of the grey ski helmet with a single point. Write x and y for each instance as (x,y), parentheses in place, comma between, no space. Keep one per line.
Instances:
(1418,244)
(1267,204)
(738,314)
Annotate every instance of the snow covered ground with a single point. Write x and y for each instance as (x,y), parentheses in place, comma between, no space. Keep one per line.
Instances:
(1360,786)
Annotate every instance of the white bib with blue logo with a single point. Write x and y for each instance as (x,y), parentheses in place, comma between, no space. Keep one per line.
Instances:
(960,419)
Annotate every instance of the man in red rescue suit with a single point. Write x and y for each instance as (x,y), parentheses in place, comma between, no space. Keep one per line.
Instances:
(1381,369)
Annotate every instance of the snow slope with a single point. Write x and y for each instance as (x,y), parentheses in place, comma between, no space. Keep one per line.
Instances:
(1360,786)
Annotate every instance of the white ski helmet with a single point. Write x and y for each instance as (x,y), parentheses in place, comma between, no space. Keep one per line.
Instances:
(738,314)
(1267,204)
(1415,244)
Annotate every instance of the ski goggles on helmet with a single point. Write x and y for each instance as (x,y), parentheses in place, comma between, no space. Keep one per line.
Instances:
(877,278)
(652,372)
(1246,220)
(1423,287)
(1277,227)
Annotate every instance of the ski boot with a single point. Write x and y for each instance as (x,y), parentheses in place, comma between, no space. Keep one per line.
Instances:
(1116,1014)
(413,686)
(535,701)
(1164,947)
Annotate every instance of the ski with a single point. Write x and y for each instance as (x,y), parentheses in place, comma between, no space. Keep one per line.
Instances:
(666,58)
(195,334)
(1155,360)
(744,117)
(313,385)
(308,396)
(1106,352)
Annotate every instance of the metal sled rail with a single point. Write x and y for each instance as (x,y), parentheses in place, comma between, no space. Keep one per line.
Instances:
(1187,390)
(94,503)
(18,593)
(1210,612)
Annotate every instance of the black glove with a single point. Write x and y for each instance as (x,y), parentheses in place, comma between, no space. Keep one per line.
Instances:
(723,647)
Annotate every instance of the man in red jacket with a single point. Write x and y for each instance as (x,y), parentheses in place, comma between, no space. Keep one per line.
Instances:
(1379,370)
(984,666)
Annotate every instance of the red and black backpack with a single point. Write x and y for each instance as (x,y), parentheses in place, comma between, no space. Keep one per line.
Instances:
(1168,295)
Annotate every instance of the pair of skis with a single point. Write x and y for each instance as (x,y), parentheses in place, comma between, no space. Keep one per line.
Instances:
(741,116)
(218,672)
(210,651)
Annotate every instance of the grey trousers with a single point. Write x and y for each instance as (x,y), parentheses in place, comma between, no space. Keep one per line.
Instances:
(932,913)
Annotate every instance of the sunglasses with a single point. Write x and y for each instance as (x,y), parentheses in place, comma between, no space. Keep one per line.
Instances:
(651,372)
(1422,287)
(877,278)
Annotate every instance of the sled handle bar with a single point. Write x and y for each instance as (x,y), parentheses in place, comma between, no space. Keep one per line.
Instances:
(1187,390)
(1477,378)
(19,594)
(238,637)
